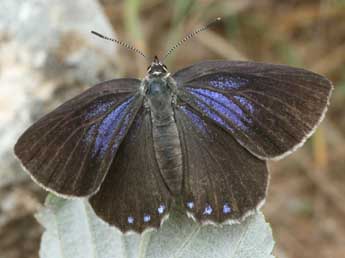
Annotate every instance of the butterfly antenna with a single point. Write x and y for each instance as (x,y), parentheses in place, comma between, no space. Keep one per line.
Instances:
(124,44)
(189,36)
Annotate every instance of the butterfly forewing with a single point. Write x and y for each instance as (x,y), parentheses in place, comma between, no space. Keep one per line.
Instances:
(269,109)
(222,180)
(70,150)
(133,195)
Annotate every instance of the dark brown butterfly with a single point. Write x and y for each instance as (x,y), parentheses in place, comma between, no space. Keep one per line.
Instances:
(200,137)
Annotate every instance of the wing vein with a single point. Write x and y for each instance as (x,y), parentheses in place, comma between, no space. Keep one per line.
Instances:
(280,117)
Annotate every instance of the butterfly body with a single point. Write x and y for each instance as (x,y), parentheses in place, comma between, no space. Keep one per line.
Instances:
(159,89)
(201,135)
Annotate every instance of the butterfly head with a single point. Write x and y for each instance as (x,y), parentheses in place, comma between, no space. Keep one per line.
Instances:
(157,69)
(158,87)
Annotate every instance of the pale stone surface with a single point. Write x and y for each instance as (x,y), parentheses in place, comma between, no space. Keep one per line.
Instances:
(47,55)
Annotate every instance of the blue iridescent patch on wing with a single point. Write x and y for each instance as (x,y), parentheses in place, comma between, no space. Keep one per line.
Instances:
(208,210)
(161,209)
(121,132)
(147,218)
(89,134)
(226,208)
(196,120)
(190,205)
(224,106)
(130,220)
(204,108)
(246,103)
(109,124)
(226,82)
(99,108)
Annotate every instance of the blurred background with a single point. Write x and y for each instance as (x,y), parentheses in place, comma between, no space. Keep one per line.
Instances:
(47,55)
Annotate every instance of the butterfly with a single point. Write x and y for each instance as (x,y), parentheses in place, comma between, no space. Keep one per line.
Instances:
(199,137)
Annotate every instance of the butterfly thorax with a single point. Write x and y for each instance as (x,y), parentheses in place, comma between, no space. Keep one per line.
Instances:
(159,89)
(159,98)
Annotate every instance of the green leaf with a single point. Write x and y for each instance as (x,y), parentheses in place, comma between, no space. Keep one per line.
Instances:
(73,230)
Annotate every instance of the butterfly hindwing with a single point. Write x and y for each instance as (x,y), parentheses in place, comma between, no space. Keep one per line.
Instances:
(269,109)
(222,180)
(70,150)
(133,195)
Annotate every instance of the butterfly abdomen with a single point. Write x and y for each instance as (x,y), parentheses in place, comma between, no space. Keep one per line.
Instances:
(168,153)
